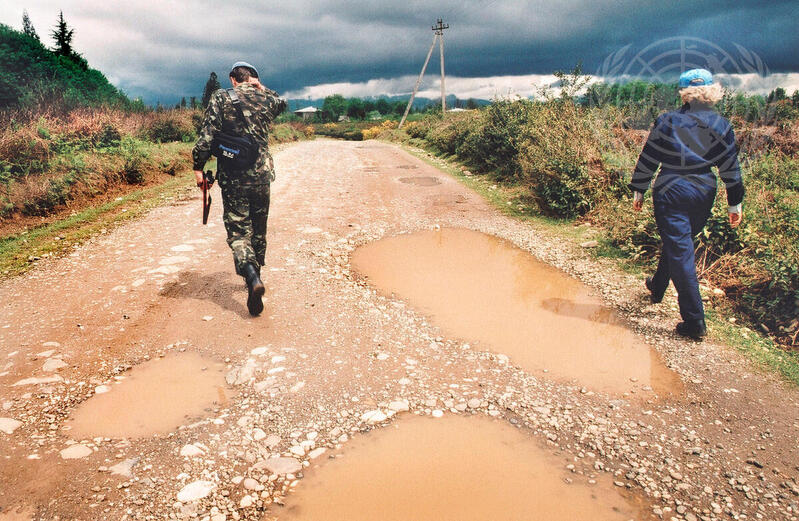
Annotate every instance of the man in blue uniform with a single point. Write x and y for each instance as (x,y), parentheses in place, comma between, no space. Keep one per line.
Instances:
(685,144)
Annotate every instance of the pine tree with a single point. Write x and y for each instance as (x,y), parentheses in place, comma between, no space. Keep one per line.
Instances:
(27,25)
(62,35)
(795,99)
(193,102)
(183,102)
(211,86)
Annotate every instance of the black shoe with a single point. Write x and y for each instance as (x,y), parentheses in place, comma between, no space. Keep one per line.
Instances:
(654,298)
(695,329)
(255,288)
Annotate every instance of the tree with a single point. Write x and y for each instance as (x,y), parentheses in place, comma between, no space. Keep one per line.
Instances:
(355,108)
(27,26)
(383,106)
(795,99)
(193,102)
(777,94)
(211,86)
(183,102)
(62,35)
(471,104)
(333,107)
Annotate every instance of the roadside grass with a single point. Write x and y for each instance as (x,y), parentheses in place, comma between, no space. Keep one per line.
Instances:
(762,351)
(18,252)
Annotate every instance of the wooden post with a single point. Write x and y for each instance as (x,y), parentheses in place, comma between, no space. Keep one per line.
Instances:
(418,82)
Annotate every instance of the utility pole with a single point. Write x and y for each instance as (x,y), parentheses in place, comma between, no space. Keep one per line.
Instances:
(439,30)
(438,34)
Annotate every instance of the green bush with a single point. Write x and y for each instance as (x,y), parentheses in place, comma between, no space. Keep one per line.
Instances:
(134,155)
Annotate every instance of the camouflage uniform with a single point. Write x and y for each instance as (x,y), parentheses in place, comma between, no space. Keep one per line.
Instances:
(245,194)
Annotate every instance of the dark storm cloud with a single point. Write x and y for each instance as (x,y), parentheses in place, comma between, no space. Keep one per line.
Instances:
(164,50)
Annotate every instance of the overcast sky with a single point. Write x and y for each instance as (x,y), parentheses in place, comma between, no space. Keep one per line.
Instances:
(164,50)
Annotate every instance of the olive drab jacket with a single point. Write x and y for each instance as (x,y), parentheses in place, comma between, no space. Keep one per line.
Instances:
(260,106)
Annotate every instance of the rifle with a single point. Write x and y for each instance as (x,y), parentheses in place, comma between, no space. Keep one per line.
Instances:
(208,182)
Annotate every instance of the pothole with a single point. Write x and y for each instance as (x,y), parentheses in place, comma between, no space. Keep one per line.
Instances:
(407,167)
(479,288)
(455,468)
(421,181)
(153,398)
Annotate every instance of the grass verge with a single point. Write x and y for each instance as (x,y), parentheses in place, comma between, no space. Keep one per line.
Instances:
(19,252)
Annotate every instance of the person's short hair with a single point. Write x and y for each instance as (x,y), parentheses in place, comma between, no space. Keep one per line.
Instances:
(242,74)
(702,95)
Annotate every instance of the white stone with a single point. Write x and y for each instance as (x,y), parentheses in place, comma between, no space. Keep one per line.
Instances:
(182,247)
(438,413)
(277,359)
(241,375)
(9,425)
(276,370)
(297,450)
(244,421)
(124,468)
(191,451)
(46,354)
(258,351)
(53,364)
(296,387)
(195,490)
(51,344)
(252,484)
(372,417)
(101,389)
(37,381)
(399,406)
(246,502)
(76,452)
(272,441)
(258,434)
(474,403)
(219,517)
(280,465)
(316,453)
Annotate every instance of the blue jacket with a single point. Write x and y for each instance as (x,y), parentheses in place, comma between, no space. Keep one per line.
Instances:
(685,144)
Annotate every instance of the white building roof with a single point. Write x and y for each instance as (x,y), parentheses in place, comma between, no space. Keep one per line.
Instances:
(307,110)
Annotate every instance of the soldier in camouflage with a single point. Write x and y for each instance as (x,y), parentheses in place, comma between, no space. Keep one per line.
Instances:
(245,193)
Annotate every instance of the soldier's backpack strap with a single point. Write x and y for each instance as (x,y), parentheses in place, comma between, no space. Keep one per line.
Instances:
(234,99)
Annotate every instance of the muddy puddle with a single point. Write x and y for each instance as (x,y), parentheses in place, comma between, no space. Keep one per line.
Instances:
(421,181)
(153,398)
(455,468)
(482,289)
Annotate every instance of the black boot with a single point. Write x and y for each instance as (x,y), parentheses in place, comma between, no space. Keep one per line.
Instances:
(256,289)
(654,298)
(694,329)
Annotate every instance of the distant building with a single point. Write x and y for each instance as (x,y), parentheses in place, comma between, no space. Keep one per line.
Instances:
(307,113)
(457,109)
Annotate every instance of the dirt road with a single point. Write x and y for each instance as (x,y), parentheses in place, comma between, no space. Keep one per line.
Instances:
(134,385)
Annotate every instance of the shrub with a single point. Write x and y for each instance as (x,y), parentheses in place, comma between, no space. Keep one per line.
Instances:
(134,155)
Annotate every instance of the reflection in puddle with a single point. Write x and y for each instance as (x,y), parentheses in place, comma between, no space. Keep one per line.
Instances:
(457,468)
(481,288)
(154,398)
(421,181)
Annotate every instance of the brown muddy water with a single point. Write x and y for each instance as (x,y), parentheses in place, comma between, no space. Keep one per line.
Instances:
(483,289)
(421,181)
(455,468)
(154,398)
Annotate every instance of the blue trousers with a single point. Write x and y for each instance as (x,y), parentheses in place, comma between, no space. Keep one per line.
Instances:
(681,211)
